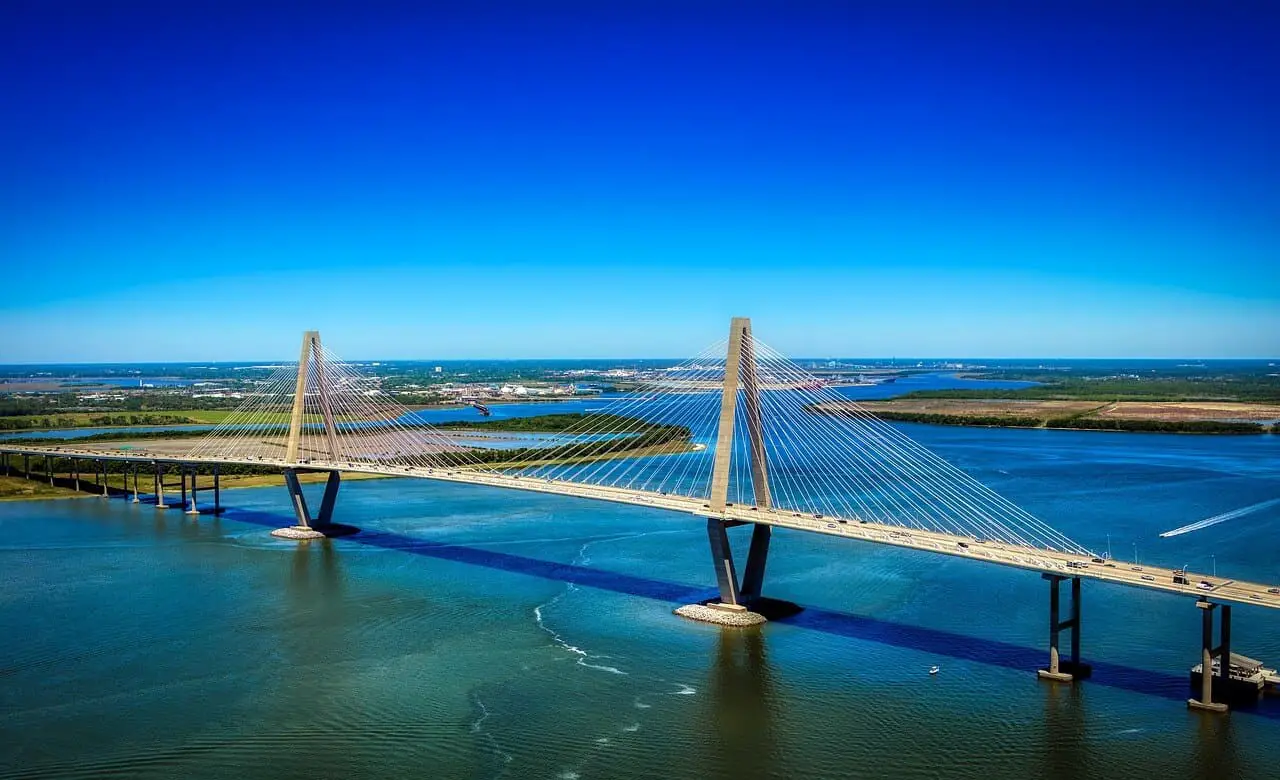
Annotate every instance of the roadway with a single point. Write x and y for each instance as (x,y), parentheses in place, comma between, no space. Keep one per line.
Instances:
(1064,564)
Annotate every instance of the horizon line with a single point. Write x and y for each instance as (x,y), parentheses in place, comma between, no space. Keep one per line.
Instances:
(915,358)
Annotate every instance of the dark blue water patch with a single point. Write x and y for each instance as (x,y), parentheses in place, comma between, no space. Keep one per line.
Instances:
(860,627)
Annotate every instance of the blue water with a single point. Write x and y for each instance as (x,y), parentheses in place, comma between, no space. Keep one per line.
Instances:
(474,632)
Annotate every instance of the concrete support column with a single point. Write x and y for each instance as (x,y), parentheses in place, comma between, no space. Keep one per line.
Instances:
(160,486)
(26,466)
(48,468)
(102,467)
(217,498)
(299,500)
(330,498)
(1207,653)
(182,484)
(1075,622)
(75,472)
(757,557)
(135,481)
(1074,669)
(722,560)
(193,509)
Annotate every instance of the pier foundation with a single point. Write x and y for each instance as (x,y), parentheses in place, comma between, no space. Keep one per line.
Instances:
(1208,652)
(320,526)
(160,486)
(193,509)
(1073,669)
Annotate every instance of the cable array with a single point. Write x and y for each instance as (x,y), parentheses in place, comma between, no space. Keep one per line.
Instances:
(825,455)
(346,420)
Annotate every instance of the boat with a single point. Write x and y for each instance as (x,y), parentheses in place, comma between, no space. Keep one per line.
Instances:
(1247,678)
(933,670)
(479,407)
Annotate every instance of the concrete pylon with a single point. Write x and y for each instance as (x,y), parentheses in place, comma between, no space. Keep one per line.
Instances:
(311,351)
(740,373)
(1207,653)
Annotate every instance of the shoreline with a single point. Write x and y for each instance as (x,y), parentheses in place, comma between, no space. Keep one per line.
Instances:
(1233,418)
(1262,431)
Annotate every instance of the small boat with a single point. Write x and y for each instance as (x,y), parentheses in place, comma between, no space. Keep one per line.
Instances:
(933,670)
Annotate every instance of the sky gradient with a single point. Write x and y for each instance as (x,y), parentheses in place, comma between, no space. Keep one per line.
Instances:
(205,180)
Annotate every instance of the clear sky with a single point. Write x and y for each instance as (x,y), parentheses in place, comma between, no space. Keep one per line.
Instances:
(204,180)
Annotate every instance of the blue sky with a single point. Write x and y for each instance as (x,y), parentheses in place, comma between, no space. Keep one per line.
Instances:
(205,180)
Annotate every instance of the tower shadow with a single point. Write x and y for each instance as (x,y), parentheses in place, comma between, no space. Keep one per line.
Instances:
(1216,755)
(1066,755)
(1172,686)
(740,707)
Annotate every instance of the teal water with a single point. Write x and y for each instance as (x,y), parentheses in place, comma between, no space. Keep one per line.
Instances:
(475,633)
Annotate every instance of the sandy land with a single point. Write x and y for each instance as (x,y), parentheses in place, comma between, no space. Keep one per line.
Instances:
(1038,410)
(1224,411)
(1163,411)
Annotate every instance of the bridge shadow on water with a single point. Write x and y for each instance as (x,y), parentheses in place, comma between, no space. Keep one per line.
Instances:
(860,627)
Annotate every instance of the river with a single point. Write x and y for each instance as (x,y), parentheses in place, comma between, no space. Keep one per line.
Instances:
(475,633)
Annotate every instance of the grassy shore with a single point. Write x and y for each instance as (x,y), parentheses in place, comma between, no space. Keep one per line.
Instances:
(16,488)
(72,420)
(19,489)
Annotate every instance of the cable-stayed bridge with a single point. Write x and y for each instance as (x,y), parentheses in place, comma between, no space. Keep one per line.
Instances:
(738,435)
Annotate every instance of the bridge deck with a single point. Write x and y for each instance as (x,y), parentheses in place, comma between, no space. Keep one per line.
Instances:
(1031,558)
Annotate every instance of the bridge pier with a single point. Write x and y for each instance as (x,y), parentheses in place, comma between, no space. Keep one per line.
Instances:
(312,528)
(135,481)
(159,486)
(1208,652)
(733,592)
(1064,671)
(193,509)
(101,467)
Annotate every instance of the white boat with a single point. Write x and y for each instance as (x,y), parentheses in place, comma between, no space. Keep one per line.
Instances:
(933,670)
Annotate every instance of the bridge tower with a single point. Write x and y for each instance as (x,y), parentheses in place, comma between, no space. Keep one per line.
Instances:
(311,371)
(740,375)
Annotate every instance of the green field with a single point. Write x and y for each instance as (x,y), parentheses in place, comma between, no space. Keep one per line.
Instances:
(19,489)
(38,422)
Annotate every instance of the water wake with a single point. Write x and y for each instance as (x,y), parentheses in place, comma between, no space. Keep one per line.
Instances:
(1222,518)
(477,727)
(583,657)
